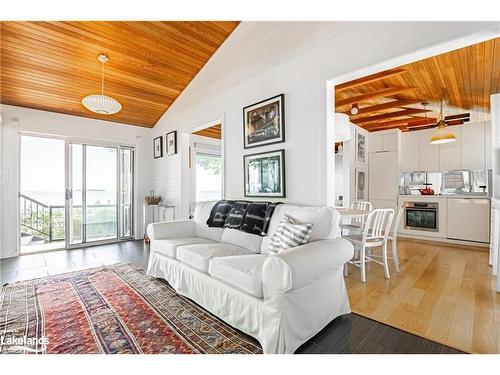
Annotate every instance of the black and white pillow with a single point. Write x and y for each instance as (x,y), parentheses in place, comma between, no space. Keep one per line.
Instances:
(289,234)
(257,217)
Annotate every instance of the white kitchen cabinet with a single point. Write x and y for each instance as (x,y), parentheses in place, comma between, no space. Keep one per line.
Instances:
(429,154)
(385,203)
(375,143)
(450,154)
(410,152)
(468,219)
(384,141)
(494,239)
(473,146)
(383,175)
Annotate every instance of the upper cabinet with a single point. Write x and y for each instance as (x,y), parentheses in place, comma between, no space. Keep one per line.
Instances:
(410,156)
(384,141)
(429,154)
(471,150)
(450,154)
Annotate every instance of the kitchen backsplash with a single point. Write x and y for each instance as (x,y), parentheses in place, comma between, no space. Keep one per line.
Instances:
(449,182)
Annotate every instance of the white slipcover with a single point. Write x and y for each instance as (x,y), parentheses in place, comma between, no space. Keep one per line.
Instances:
(169,246)
(243,272)
(303,288)
(199,255)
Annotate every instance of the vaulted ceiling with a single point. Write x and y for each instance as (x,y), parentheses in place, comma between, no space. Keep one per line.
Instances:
(52,66)
(464,78)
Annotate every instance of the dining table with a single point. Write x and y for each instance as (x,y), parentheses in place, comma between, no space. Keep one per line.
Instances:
(348,213)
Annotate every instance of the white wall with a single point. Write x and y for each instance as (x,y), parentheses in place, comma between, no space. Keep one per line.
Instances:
(42,122)
(263,59)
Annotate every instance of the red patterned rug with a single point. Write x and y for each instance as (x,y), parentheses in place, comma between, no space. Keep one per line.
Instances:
(114,309)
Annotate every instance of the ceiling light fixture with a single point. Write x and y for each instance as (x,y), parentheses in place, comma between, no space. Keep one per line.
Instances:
(354,109)
(442,135)
(100,103)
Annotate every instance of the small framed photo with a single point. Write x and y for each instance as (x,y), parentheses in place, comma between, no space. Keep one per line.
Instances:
(360,148)
(172,143)
(361,184)
(158,147)
(265,174)
(264,122)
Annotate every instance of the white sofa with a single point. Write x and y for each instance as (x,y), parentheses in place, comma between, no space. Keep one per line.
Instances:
(280,299)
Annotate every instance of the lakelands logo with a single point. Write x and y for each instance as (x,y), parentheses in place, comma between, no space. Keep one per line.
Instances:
(24,341)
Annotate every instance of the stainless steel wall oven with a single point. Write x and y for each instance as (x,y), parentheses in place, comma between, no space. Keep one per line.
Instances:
(422,216)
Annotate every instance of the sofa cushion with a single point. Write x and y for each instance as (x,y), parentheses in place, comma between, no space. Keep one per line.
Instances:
(236,237)
(199,255)
(201,214)
(243,272)
(169,246)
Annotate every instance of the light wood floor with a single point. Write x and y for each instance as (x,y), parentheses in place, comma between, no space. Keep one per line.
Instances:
(444,293)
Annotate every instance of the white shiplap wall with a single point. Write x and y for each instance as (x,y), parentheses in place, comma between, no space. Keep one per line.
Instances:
(263,59)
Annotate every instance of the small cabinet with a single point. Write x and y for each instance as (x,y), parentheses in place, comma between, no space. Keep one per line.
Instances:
(382,142)
(410,155)
(450,154)
(473,146)
(468,219)
(429,154)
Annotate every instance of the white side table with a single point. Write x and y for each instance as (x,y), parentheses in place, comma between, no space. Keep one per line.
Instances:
(153,213)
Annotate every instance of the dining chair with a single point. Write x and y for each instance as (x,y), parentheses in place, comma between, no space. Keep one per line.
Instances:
(394,237)
(355,225)
(375,235)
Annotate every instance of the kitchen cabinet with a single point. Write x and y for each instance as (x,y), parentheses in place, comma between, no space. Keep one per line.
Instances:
(384,141)
(383,174)
(473,146)
(429,154)
(494,239)
(410,152)
(468,219)
(450,154)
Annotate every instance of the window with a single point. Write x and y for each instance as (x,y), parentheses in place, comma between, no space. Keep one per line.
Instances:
(208,177)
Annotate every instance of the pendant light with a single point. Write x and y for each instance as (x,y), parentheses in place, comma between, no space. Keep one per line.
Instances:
(100,103)
(442,135)
(342,127)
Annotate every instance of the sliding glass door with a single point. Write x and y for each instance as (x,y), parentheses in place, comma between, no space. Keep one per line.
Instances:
(99,193)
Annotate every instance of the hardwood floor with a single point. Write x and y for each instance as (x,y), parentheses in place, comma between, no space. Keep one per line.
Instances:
(443,293)
(347,334)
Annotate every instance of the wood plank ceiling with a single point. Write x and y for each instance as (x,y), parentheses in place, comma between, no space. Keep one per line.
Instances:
(464,78)
(211,132)
(53,65)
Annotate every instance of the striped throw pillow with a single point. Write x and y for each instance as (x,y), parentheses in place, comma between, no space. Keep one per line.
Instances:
(289,234)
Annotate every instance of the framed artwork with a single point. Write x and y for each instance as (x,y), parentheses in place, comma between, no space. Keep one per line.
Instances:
(361,184)
(172,143)
(360,148)
(265,174)
(264,122)
(158,147)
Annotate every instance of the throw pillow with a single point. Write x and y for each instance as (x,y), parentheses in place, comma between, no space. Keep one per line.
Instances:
(289,234)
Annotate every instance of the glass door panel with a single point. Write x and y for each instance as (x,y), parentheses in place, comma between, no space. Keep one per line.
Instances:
(75,194)
(101,192)
(126,188)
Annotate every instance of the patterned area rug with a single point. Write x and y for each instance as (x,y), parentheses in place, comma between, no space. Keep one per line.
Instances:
(114,309)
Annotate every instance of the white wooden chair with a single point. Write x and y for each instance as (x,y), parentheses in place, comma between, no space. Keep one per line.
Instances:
(355,225)
(375,234)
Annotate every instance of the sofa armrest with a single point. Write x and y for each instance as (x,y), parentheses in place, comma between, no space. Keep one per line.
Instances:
(302,265)
(171,229)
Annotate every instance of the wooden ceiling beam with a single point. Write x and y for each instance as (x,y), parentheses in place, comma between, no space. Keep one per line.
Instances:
(369,79)
(395,123)
(373,95)
(403,113)
(383,107)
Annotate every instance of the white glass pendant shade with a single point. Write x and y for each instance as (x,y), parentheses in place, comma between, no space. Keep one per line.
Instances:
(101,104)
(342,127)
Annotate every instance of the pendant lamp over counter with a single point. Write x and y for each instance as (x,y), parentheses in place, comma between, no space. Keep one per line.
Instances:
(442,134)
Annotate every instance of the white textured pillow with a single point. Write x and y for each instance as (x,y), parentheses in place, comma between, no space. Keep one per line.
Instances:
(289,234)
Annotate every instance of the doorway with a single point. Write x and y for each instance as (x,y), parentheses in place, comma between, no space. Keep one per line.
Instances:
(206,163)
(74,194)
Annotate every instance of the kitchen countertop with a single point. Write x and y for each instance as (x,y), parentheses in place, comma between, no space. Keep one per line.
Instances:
(448,196)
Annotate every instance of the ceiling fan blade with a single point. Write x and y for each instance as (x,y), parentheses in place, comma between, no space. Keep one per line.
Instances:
(457,117)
